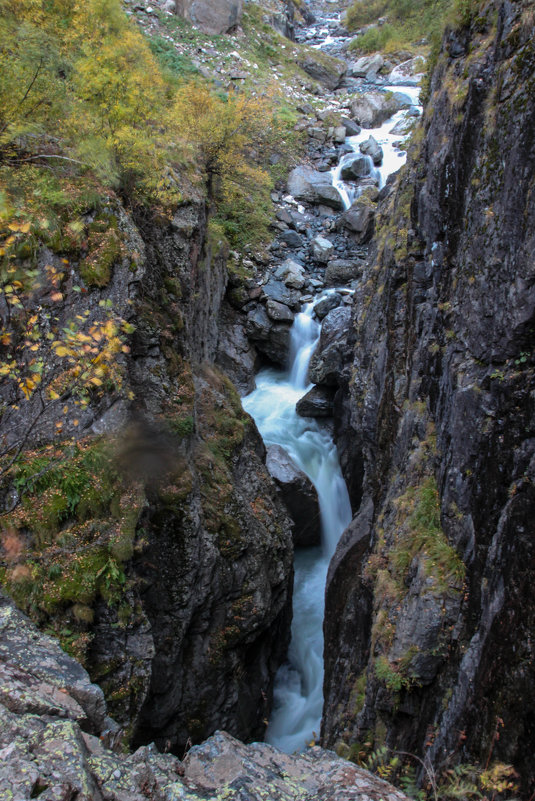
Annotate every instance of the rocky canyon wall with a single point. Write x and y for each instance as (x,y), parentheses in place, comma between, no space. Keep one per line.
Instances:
(430,604)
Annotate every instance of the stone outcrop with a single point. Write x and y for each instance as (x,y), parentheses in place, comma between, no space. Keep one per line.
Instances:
(371,109)
(56,742)
(299,496)
(430,604)
(211,16)
(180,527)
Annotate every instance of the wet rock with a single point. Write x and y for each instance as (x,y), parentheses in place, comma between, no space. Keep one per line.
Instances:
(272,339)
(299,496)
(342,271)
(372,149)
(329,196)
(360,219)
(321,248)
(370,110)
(211,17)
(325,69)
(326,304)
(331,354)
(356,167)
(318,402)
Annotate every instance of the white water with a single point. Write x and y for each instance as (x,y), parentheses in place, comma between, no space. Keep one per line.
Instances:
(299,683)
(393,156)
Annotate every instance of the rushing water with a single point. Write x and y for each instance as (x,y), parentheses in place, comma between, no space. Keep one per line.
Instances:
(299,683)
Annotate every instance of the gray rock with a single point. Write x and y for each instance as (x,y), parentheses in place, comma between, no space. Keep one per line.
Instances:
(277,290)
(318,402)
(326,304)
(324,69)
(331,354)
(279,312)
(321,248)
(291,238)
(298,494)
(365,66)
(372,109)
(352,129)
(340,134)
(355,167)
(305,183)
(211,17)
(272,339)
(360,219)
(328,195)
(341,271)
(408,73)
(372,149)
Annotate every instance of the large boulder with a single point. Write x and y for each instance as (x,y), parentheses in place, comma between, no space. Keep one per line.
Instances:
(360,219)
(372,149)
(292,273)
(370,110)
(342,271)
(325,69)
(321,248)
(408,73)
(298,494)
(271,338)
(331,354)
(355,167)
(279,291)
(366,65)
(318,402)
(305,183)
(211,16)
(327,304)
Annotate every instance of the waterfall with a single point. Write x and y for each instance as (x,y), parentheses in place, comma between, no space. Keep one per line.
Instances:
(298,698)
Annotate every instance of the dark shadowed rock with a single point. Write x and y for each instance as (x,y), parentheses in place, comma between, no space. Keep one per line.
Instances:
(360,219)
(331,354)
(326,304)
(318,402)
(352,128)
(298,494)
(271,338)
(277,290)
(324,69)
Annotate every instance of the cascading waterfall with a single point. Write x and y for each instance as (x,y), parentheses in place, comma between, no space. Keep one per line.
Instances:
(299,683)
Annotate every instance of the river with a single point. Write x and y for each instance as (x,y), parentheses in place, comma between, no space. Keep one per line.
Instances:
(298,695)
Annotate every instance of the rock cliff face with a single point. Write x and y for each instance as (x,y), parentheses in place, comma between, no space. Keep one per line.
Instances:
(429,599)
(181,600)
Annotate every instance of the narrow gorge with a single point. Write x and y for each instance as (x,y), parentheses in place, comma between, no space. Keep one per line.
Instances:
(267,405)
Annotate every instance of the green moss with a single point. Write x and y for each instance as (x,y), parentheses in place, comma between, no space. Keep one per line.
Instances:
(105,249)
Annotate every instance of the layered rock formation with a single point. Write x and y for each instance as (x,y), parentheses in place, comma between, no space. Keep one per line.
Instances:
(429,600)
(175,566)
